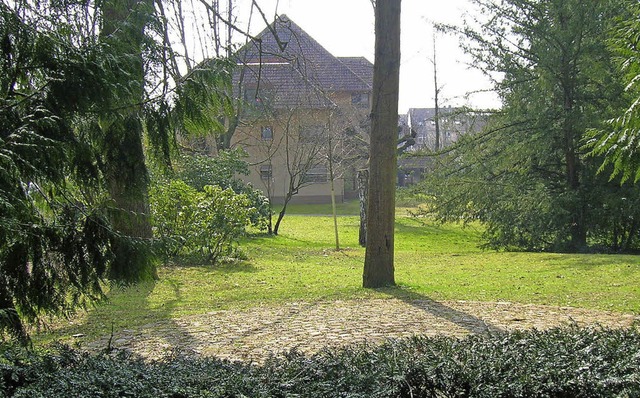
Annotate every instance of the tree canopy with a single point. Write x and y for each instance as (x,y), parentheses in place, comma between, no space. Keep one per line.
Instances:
(619,140)
(526,176)
(83,88)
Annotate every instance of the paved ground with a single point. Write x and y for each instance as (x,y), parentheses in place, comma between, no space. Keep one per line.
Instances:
(255,333)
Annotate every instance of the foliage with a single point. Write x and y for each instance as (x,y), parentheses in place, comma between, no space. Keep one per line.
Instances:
(201,99)
(222,170)
(55,239)
(203,224)
(557,363)
(619,140)
(525,175)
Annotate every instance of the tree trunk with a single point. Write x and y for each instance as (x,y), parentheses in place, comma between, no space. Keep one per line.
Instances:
(287,198)
(436,114)
(9,318)
(378,264)
(128,181)
(125,169)
(333,189)
(363,194)
(281,214)
(577,227)
(335,213)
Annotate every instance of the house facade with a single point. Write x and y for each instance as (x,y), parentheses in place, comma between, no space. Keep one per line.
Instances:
(304,115)
(420,124)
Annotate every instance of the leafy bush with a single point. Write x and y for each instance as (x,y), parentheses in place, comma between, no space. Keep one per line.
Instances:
(204,225)
(569,362)
(222,170)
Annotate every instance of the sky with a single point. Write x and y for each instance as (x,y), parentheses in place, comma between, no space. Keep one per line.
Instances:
(346,28)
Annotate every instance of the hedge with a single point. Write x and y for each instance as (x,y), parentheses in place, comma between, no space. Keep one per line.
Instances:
(562,362)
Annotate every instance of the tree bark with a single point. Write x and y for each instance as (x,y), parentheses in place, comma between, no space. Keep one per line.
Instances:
(378,264)
(287,199)
(123,27)
(436,114)
(333,204)
(363,194)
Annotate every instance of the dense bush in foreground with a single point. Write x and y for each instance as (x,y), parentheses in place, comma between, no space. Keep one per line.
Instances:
(568,362)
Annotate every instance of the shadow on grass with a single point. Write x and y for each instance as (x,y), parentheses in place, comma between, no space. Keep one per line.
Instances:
(590,261)
(104,329)
(232,267)
(421,302)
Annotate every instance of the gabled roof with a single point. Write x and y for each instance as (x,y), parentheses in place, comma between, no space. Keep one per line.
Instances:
(283,86)
(285,44)
(360,66)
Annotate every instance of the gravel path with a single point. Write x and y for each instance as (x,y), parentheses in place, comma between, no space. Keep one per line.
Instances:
(255,333)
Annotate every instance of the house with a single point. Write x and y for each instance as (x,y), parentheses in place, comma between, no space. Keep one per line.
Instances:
(452,123)
(305,115)
(421,123)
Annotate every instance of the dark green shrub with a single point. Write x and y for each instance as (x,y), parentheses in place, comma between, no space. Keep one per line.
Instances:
(223,170)
(569,362)
(204,225)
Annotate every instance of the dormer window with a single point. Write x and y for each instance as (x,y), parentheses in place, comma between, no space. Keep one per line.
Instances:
(360,99)
(258,97)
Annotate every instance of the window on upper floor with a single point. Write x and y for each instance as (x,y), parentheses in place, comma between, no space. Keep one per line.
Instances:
(258,97)
(360,99)
(267,133)
(311,134)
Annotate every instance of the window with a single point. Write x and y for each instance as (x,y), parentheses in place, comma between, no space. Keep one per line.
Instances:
(316,175)
(360,99)
(266,172)
(311,133)
(258,97)
(267,133)
(251,95)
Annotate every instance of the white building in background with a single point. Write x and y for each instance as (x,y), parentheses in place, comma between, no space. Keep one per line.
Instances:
(454,122)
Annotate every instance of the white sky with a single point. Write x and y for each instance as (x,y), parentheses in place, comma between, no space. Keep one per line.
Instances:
(346,28)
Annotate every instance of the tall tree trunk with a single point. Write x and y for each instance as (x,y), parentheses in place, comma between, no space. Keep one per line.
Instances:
(378,263)
(333,206)
(577,227)
(333,187)
(436,114)
(123,27)
(363,194)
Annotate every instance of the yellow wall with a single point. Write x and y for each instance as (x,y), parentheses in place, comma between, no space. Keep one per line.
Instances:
(286,125)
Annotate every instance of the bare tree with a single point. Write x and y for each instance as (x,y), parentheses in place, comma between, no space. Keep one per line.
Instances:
(303,146)
(346,151)
(436,115)
(378,265)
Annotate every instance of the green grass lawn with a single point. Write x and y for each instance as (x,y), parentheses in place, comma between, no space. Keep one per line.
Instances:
(439,262)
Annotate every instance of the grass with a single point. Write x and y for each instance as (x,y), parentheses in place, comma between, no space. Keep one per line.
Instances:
(439,262)
(349,208)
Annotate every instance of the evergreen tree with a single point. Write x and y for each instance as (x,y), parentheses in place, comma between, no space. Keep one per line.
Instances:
(80,83)
(526,176)
(619,140)
(127,180)
(54,238)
